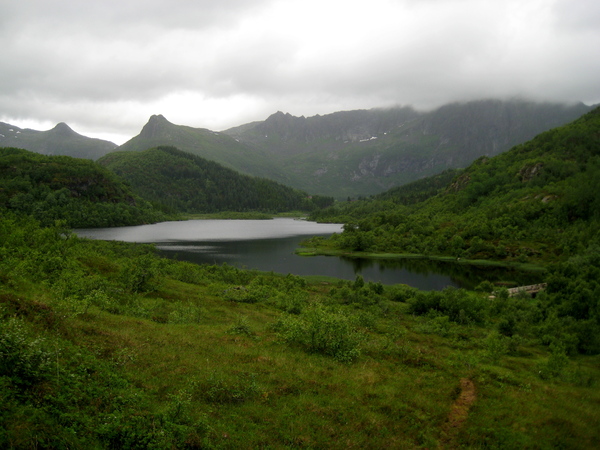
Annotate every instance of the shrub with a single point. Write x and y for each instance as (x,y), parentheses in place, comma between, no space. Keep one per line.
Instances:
(402,293)
(319,330)
(140,274)
(423,302)
(242,327)
(292,301)
(23,357)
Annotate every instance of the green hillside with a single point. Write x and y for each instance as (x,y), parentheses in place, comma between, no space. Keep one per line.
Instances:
(187,183)
(205,143)
(79,192)
(537,202)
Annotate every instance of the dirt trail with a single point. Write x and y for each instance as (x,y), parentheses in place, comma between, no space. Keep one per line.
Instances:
(458,413)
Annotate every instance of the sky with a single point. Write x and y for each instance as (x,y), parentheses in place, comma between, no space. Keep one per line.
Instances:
(105,66)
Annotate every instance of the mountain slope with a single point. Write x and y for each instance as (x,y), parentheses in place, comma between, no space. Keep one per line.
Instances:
(365,152)
(189,183)
(538,201)
(60,140)
(205,143)
(77,191)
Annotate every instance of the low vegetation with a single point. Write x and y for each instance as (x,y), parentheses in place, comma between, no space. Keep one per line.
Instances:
(103,344)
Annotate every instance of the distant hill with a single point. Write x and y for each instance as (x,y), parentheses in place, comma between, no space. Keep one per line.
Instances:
(77,191)
(538,201)
(188,183)
(208,144)
(60,140)
(364,152)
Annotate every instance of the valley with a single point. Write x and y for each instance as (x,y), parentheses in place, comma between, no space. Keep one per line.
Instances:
(106,344)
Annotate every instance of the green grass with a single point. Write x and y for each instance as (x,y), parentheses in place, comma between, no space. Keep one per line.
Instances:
(174,355)
(397,394)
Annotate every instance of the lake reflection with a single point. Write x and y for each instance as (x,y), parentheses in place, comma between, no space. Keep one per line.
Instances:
(270,245)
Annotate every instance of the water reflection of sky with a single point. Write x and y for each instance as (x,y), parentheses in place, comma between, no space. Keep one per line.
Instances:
(212,230)
(270,245)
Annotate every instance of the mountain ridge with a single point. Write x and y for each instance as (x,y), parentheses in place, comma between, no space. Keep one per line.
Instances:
(364,152)
(59,140)
(540,193)
(342,154)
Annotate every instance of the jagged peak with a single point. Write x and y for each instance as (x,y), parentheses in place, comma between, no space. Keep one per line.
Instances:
(281,115)
(154,125)
(157,118)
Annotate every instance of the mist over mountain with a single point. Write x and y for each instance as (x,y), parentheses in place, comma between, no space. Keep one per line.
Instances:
(368,151)
(60,140)
(530,202)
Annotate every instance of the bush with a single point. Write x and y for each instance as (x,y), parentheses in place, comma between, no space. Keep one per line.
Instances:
(292,302)
(23,357)
(457,304)
(319,330)
(402,293)
(241,327)
(140,274)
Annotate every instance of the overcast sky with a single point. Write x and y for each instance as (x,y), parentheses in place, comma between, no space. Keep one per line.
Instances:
(105,66)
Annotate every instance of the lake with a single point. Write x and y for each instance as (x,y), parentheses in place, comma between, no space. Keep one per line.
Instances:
(270,245)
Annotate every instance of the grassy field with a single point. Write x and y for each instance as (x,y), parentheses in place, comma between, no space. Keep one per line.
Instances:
(114,348)
(233,371)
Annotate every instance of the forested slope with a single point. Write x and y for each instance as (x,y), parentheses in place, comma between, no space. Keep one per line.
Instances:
(79,192)
(188,183)
(538,201)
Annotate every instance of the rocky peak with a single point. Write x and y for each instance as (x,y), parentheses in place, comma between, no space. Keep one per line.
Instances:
(156,124)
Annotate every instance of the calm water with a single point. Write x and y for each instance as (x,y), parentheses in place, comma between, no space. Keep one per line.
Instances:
(270,245)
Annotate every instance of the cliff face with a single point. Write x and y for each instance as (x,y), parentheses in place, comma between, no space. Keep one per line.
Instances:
(363,152)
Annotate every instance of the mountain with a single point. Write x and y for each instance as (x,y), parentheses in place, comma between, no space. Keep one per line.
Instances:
(343,154)
(208,144)
(537,202)
(60,140)
(364,152)
(188,183)
(77,191)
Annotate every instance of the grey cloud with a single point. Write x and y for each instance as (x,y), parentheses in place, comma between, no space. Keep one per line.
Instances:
(114,62)
(110,16)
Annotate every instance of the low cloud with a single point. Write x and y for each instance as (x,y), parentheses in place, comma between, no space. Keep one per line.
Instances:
(110,65)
